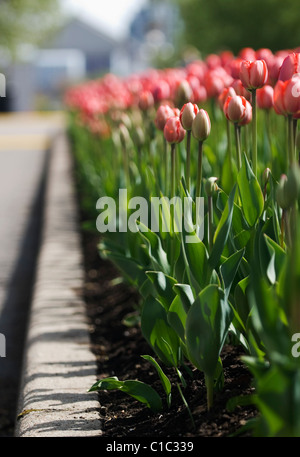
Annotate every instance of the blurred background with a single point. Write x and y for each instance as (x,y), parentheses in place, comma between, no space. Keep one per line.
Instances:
(45,45)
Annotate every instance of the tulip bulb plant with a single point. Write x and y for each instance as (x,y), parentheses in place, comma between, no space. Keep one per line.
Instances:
(166,135)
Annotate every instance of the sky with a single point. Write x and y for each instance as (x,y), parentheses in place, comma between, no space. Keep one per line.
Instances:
(112,16)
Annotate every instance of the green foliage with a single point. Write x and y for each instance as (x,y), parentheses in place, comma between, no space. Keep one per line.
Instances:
(213,26)
(27,22)
(136,389)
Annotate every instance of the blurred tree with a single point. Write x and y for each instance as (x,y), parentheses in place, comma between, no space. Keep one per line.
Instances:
(26,22)
(215,25)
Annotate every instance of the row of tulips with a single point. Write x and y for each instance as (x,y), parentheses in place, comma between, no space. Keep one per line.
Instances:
(170,133)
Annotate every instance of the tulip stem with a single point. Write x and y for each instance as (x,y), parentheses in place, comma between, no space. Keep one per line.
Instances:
(166,156)
(237,130)
(188,159)
(295,124)
(210,221)
(254,132)
(228,125)
(209,382)
(291,139)
(199,173)
(126,165)
(173,168)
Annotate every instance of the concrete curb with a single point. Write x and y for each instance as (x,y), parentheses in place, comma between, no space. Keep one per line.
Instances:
(58,366)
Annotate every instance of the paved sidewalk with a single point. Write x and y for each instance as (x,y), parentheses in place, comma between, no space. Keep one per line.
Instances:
(24,152)
(41,275)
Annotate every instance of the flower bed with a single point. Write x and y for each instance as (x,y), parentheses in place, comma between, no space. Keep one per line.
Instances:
(189,178)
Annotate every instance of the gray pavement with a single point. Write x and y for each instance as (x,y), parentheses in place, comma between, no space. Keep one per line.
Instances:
(48,365)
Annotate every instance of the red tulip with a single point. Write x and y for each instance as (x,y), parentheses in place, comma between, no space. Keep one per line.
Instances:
(187,115)
(163,113)
(265,97)
(253,74)
(248,114)
(227,92)
(173,130)
(287,96)
(290,66)
(146,100)
(161,91)
(239,88)
(236,109)
(247,54)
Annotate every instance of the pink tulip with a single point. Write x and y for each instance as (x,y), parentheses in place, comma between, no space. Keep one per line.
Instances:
(253,74)
(161,91)
(187,115)
(239,88)
(173,130)
(265,97)
(290,66)
(236,108)
(287,95)
(227,92)
(145,100)
(247,54)
(163,113)
(248,114)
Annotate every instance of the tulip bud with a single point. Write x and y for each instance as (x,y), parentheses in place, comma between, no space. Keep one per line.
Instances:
(280,193)
(173,130)
(184,93)
(187,115)
(266,175)
(211,186)
(288,188)
(139,136)
(247,116)
(237,85)
(227,92)
(265,97)
(161,91)
(293,183)
(286,96)
(201,125)
(290,66)
(235,108)
(124,135)
(162,115)
(146,100)
(253,74)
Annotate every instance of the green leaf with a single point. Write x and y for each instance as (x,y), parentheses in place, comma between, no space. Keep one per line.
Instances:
(136,389)
(156,253)
(207,326)
(186,295)
(156,330)
(229,269)
(196,260)
(222,231)
(250,193)
(167,386)
(177,317)
(164,287)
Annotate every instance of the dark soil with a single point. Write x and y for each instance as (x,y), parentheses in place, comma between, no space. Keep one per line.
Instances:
(118,349)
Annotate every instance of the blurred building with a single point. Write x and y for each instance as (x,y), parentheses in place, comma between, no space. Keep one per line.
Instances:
(80,50)
(152,37)
(39,78)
